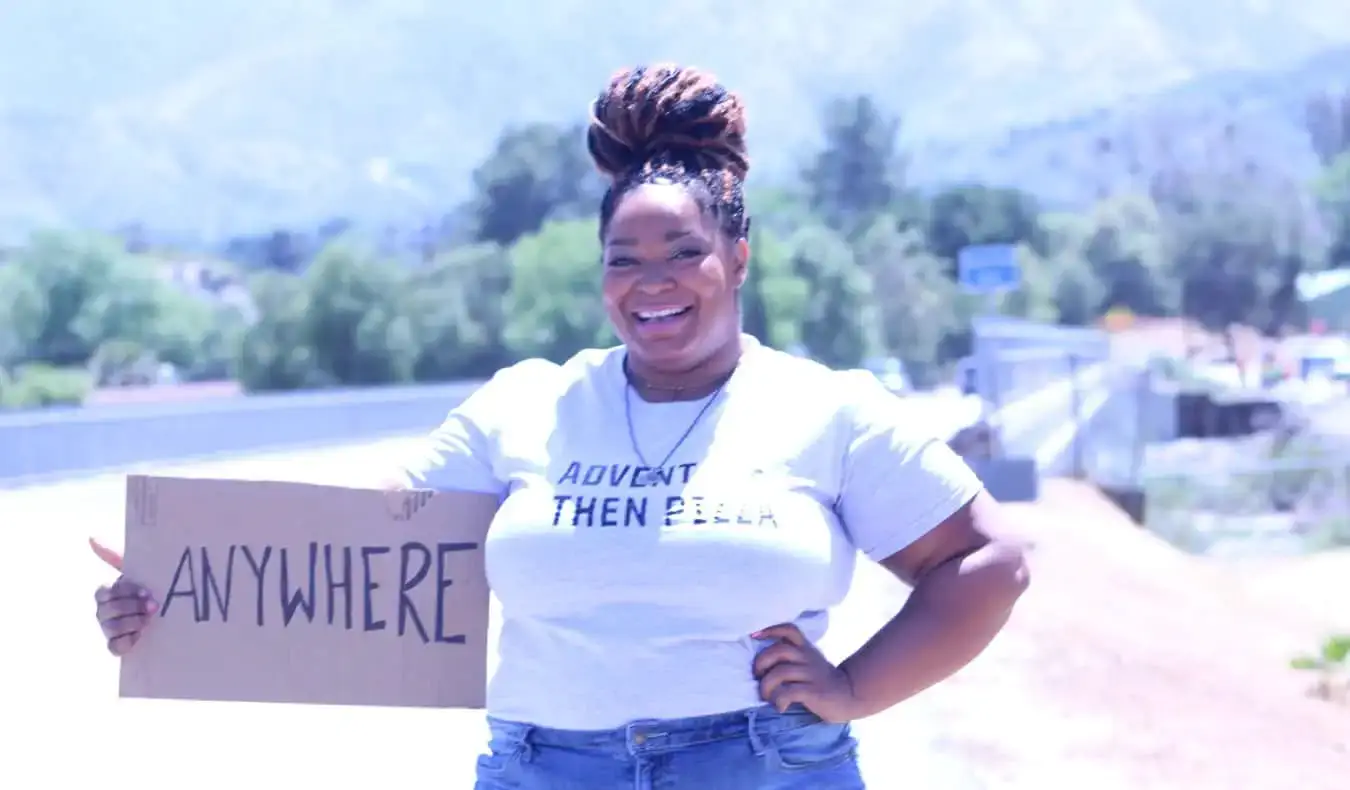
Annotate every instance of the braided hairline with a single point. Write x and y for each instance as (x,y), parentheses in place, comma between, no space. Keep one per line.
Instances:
(684,165)
(722,185)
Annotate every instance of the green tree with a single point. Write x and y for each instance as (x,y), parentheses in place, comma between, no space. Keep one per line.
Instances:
(91,292)
(1124,251)
(458,304)
(975,214)
(1326,119)
(860,171)
(773,297)
(275,352)
(777,210)
(355,318)
(1332,190)
(914,296)
(554,308)
(1237,237)
(840,324)
(1046,283)
(341,323)
(23,320)
(535,172)
(198,336)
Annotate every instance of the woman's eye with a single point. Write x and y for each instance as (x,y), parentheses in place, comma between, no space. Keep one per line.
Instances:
(620,262)
(686,254)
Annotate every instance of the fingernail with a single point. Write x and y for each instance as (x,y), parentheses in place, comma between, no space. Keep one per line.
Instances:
(151,607)
(144,593)
(757,635)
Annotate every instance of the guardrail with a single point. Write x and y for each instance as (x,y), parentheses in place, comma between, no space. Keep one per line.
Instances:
(64,442)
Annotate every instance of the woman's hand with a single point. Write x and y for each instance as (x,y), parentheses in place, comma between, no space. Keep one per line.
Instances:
(124,607)
(792,670)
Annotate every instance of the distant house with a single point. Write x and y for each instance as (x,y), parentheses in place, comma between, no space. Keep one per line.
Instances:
(208,281)
(1326,299)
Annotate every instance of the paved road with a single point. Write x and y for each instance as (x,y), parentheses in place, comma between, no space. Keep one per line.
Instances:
(68,728)
(60,693)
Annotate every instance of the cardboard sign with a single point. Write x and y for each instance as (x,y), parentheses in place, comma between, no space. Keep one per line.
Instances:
(287,592)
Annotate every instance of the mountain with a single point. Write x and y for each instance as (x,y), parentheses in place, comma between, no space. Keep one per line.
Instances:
(1062,162)
(237,115)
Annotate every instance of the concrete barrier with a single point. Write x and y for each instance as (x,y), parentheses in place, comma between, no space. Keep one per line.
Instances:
(63,442)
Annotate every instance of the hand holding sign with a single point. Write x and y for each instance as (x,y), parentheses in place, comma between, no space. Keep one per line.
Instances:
(124,607)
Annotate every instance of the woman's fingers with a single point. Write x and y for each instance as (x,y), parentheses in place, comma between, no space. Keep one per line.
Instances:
(124,609)
(781,676)
(776,653)
(106,554)
(786,632)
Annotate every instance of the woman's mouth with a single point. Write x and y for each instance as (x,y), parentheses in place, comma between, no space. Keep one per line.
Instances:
(661,315)
(660,323)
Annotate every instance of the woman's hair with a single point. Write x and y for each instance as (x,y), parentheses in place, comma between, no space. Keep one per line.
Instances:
(670,124)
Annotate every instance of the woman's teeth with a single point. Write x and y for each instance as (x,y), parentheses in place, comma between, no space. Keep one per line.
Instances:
(658,315)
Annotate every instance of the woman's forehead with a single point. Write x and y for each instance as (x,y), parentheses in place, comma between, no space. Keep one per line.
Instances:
(660,212)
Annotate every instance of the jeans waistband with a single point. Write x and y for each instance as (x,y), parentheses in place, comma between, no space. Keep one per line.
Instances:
(650,736)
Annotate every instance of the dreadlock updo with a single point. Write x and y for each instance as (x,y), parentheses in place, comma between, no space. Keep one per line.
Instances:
(667,124)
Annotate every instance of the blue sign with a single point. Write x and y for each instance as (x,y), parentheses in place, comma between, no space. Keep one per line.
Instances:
(988,268)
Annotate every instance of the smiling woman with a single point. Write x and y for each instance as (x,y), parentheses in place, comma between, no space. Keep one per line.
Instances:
(673,223)
(665,576)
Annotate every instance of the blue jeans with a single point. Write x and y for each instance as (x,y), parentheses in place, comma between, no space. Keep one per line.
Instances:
(755,749)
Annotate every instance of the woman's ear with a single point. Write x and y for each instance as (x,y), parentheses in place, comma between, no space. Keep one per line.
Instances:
(740,262)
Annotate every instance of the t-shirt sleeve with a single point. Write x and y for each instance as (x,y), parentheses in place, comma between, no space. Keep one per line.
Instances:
(462,453)
(899,481)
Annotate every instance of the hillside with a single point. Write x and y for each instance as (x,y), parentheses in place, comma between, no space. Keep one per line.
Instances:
(1059,160)
(235,115)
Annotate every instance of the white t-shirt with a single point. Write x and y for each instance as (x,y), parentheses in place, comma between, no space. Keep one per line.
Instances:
(628,594)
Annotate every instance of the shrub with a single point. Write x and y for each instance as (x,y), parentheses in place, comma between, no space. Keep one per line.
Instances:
(37,385)
(1331,665)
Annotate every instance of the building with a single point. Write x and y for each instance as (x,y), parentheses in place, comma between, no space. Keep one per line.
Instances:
(1326,300)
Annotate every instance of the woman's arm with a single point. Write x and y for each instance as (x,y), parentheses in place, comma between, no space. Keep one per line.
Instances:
(910,503)
(966,579)
(460,454)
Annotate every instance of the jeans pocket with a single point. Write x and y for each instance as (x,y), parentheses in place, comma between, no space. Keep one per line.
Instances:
(813,746)
(507,744)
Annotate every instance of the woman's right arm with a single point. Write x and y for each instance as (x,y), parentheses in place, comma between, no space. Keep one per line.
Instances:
(462,453)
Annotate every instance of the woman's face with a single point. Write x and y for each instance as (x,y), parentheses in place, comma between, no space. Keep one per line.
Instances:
(671,278)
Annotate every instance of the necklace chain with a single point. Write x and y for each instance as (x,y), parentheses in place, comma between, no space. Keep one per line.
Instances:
(632,434)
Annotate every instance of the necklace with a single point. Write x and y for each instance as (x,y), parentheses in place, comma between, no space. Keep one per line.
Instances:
(632,434)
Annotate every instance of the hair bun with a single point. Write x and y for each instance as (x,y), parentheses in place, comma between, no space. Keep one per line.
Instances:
(667,114)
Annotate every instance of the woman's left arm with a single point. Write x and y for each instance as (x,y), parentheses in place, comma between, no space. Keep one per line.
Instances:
(966,577)
(965,580)
(910,503)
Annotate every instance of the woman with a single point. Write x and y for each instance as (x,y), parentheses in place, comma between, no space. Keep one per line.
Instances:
(679,513)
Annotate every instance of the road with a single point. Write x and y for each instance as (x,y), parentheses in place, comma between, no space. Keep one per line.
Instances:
(70,729)
(60,693)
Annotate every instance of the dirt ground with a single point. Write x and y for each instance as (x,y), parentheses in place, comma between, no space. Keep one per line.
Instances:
(1129,664)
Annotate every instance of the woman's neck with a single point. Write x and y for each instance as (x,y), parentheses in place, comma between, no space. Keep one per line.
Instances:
(657,385)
